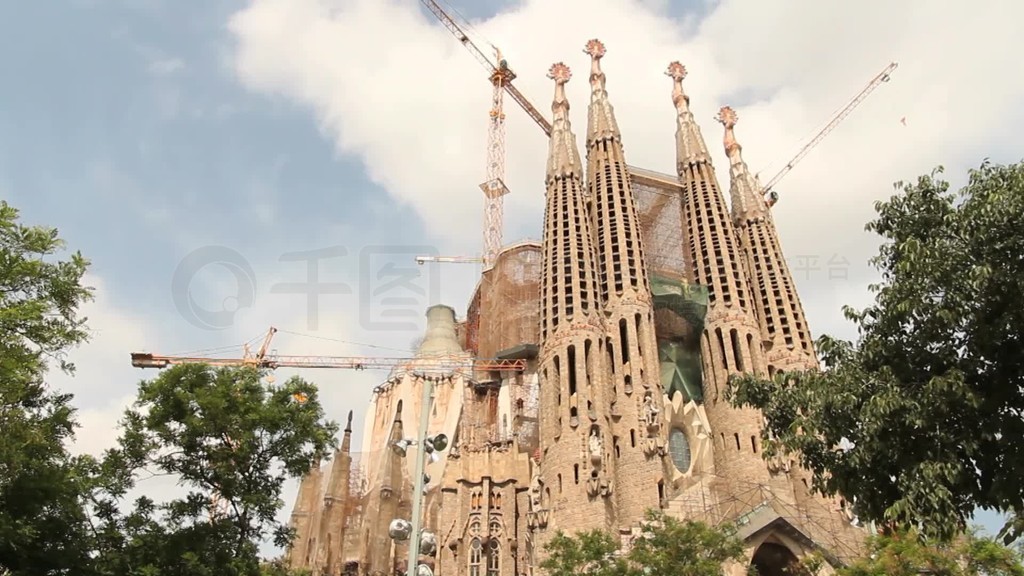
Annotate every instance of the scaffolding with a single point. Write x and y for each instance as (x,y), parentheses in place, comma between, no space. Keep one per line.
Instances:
(749,507)
(659,206)
(509,307)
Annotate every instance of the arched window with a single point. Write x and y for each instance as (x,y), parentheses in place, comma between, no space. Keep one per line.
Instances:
(679,449)
(476,552)
(494,558)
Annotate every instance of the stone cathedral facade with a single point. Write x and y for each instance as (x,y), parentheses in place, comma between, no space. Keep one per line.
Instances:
(647,292)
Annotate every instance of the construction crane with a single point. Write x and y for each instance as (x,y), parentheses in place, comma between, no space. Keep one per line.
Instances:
(449,259)
(494,188)
(882,77)
(262,358)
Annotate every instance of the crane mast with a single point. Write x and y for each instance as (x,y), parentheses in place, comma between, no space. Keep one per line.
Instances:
(875,82)
(501,77)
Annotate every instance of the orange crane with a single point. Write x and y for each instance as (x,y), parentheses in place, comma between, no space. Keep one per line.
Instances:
(264,359)
(494,188)
(875,82)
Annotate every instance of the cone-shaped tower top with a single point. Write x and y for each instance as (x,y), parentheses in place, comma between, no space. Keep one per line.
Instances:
(346,440)
(563,156)
(747,202)
(616,225)
(570,285)
(601,124)
(690,146)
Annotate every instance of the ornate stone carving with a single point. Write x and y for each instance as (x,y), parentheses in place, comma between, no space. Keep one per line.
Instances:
(651,414)
(536,490)
(595,446)
(599,485)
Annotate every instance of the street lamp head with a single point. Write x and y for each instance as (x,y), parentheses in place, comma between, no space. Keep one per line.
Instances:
(438,443)
(424,570)
(400,447)
(428,543)
(399,530)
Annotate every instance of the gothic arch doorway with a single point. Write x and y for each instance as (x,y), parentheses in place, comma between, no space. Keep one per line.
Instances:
(773,559)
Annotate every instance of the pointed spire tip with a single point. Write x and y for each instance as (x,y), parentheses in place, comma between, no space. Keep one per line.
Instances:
(727,117)
(595,48)
(348,425)
(560,73)
(676,71)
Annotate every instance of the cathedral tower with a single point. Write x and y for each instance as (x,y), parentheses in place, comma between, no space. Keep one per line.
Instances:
(784,332)
(786,338)
(332,521)
(575,461)
(634,390)
(307,507)
(731,343)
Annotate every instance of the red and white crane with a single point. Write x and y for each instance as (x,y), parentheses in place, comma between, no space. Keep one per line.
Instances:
(501,77)
(263,358)
(494,188)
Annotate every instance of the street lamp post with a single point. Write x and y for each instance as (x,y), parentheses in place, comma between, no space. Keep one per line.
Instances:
(418,480)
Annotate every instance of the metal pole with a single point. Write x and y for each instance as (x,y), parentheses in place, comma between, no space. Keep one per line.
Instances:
(417,494)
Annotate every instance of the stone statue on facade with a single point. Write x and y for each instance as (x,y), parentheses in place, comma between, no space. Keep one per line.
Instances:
(651,414)
(594,443)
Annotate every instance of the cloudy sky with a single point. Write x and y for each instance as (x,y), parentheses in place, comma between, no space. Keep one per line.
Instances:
(162,137)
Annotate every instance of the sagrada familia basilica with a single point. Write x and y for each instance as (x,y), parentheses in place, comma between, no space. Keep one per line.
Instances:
(645,295)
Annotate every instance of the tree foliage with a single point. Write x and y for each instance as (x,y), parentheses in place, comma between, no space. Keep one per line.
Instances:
(665,546)
(920,421)
(216,430)
(904,553)
(224,433)
(42,520)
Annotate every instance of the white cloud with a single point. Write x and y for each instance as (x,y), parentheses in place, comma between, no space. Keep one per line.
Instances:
(166,66)
(393,88)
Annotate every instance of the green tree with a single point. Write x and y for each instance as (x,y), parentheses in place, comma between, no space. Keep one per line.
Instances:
(919,422)
(665,546)
(905,554)
(223,433)
(42,519)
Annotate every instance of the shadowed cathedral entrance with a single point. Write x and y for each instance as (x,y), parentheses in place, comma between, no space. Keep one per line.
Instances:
(774,560)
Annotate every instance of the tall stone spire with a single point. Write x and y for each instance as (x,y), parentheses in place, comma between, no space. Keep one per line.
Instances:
(303,548)
(573,413)
(601,124)
(785,336)
(731,343)
(690,146)
(634,388)
(787,339)
(332,521)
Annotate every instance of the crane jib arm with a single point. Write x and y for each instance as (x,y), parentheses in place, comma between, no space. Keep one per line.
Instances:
(147,360)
